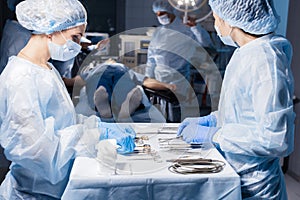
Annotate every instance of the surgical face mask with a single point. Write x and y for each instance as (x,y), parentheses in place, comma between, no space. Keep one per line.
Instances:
(64,52)
(163,19)
(227,40)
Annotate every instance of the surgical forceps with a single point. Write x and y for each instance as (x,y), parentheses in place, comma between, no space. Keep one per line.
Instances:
(177,143)
(162,140)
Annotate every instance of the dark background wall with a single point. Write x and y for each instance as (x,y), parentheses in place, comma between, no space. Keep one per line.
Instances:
(5,13)
(101,15)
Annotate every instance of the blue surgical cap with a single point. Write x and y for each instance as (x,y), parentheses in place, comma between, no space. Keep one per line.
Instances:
(253,16)
(48,16)
(162,6)
(11,4)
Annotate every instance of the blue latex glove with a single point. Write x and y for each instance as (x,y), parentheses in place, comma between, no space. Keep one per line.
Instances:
(208,120)
(126,143)
(195,133)
(124,128)
(124,140)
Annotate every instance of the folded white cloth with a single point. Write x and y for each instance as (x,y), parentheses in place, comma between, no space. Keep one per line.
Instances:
(107,156)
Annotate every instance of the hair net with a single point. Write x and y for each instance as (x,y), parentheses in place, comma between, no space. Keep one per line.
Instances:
(48,16)
(11,4)
(253,16)
(162,5)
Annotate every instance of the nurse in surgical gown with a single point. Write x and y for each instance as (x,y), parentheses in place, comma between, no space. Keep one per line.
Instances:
(40,131)
(254,124)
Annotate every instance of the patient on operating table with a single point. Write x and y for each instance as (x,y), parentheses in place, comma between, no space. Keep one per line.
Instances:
(116,94)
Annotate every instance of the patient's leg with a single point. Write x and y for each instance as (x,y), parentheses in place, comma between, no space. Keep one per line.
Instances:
(131,103)
(102,103)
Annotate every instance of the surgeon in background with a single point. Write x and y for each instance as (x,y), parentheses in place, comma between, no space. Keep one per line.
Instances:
(163,62)
(40,131)
(254,124)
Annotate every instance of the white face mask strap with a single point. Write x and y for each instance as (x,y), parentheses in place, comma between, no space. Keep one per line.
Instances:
(63,36)
(230,31)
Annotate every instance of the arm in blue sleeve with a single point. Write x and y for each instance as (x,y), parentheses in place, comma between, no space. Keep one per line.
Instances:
(202,36)
(150,67)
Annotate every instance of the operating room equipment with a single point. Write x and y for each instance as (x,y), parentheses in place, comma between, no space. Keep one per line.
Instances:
(133,50)
(195,166)
(86,183)
(162,140)
(144,152)
(176,143)
(141,140)
(188,6)
(180,146)
(168,128)
(96,37)
(140,171)
(146,148)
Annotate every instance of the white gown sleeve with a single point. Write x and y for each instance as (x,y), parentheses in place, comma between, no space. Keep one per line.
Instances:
(33,135)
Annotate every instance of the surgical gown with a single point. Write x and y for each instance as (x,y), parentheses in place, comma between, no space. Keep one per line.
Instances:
(14,38)
(40,132)
(171,52)
(256,115)
(168,56)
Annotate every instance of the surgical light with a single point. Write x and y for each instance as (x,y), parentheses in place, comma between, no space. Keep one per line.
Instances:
(187,6)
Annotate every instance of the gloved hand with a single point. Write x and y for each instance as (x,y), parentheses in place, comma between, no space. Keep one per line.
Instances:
(124,140)
(208,120)
(126,143)
(195,133)
(123,128)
